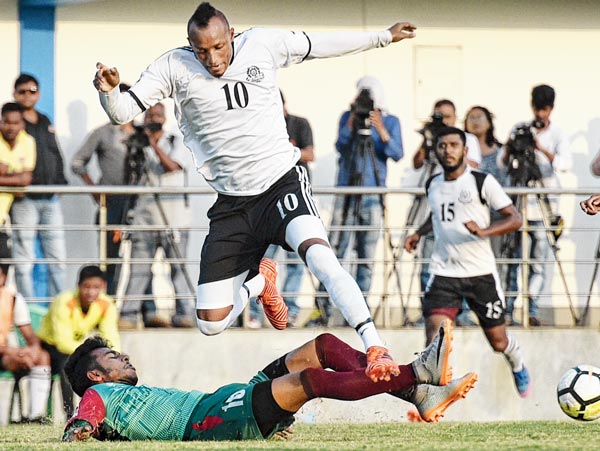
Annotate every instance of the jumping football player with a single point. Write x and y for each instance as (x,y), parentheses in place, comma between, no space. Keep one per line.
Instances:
(229,110)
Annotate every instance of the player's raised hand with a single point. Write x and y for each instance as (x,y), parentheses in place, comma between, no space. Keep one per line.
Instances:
(106,78)
(591,205)
(402,30)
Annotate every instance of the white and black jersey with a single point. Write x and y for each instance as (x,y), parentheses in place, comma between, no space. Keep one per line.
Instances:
(457,252)
(234,124)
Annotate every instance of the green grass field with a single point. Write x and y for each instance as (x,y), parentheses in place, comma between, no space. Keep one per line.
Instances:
(546,436)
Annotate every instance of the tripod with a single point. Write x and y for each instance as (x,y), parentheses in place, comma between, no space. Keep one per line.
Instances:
(524,172)
(362,155)
(138,174)
(418,206)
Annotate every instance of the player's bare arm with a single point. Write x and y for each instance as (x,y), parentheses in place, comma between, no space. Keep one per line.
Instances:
(510,222)
(106,78)
(411,242)
(591,205)
(402,30)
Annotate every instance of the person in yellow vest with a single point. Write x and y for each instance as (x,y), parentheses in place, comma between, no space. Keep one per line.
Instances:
(17,161)
(73,316)
(30,359)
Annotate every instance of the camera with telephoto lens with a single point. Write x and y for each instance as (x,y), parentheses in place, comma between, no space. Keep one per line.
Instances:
(135,158)
(362,107)
(429,132)
(521,147)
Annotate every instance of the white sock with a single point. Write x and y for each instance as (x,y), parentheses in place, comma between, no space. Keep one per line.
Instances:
(344,292)
(513,355)
(39,391)
(254,286)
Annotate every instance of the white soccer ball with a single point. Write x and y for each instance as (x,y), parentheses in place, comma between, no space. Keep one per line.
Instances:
(578,392)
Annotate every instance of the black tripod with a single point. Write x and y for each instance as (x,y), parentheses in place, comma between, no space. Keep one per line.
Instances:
(523,171)
(362,154)
(136,174)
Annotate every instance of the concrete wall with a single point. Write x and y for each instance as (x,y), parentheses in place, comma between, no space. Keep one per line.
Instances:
(476,52)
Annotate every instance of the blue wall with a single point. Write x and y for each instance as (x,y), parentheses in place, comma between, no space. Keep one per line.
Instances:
(37,49)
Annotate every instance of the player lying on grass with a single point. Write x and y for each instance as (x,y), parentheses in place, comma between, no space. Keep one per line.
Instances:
(114,408)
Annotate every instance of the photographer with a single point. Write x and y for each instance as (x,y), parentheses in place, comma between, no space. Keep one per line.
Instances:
(367,137)
(443,115)
(158,158)
(541,148)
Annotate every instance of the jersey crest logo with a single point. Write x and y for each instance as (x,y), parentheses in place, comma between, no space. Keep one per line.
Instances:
(254,74)
(465,197)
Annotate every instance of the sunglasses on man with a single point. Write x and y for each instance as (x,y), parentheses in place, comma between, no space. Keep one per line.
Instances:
(31,90)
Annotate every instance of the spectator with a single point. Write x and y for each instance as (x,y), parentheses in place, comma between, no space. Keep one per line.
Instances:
(480,123)
(445,109)
(17,161)
(108,144)
(552,154)
(162,162)
(22,360)
(300,135)
(72,316)
(35,210)
(358,151)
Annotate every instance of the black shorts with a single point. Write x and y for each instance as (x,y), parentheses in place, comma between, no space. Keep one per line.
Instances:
(242,227)
(483,294)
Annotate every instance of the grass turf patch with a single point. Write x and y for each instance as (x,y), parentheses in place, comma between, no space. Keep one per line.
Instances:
(517,436)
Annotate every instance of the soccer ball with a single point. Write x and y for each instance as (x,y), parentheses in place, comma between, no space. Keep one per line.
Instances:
(578,392)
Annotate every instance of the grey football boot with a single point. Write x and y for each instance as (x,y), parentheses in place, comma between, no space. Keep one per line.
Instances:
(432,401)
(432,366)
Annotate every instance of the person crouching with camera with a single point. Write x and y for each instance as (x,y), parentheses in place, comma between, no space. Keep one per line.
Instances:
(159,158)
(533,155)
(367,137)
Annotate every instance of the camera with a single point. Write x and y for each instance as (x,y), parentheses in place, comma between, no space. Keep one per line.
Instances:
(362,107)
(521,148)
(135,157)
(429,132)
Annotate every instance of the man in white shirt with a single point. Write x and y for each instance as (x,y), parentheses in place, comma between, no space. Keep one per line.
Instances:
(463,265)
(552,154)
(229,110)
(444,112)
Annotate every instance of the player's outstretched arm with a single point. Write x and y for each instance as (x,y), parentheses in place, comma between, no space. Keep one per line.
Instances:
(78,431)
(402,30)
(106,78)
(591,205)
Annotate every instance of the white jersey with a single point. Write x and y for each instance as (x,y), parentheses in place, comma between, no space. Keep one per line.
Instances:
(457,252)
(234,124)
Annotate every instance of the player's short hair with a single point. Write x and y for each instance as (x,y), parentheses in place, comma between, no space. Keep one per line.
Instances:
(26,78)
(542,96)
(87,272)
(443,102)
(450,131)
(81,361)
(10,107)
(204,12)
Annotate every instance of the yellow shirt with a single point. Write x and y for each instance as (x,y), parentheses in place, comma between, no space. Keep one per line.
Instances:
(66,326)
(20,158)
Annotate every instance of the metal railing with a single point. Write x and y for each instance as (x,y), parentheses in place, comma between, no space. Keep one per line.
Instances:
(395,296)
